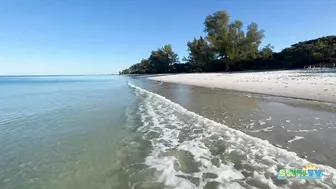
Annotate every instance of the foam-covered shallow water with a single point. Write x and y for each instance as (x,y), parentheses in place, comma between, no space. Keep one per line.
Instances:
(191,151)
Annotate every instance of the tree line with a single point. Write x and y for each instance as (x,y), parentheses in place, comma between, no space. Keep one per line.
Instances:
(226,46)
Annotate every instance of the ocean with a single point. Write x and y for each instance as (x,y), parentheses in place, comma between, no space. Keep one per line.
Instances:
(103,132)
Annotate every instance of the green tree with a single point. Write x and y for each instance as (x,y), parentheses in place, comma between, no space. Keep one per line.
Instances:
(200,54)
(305,53)
(229,41)
(227,46)
(143,66)
(253,39)
(162,59)
(267,52)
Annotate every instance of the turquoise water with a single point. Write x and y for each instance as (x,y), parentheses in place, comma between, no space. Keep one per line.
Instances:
(113,132)
(51,126)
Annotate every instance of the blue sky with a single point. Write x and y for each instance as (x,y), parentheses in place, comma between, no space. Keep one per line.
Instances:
(105,36)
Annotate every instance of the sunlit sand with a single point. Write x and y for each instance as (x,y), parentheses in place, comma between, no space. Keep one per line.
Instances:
(279,83)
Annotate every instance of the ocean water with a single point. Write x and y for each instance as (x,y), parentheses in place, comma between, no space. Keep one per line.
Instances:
(126,132)
(59,130)
(316,72)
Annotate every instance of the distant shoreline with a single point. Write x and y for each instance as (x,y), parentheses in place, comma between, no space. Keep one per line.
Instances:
(56,75)
(278,83)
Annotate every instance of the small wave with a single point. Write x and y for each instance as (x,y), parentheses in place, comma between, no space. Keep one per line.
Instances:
(261,122)
(295,139)
(302,131)
(267,129)
(190,151)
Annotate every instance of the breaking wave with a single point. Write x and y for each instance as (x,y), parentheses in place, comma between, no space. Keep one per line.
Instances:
(190,151)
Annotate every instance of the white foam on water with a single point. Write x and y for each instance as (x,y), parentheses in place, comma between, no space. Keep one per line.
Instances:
(267,129)
(249,126)
(261,122)
(278,145)
(302,131)
(243,161)
(295,139)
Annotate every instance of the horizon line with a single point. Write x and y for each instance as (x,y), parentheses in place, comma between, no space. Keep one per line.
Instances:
(29,75)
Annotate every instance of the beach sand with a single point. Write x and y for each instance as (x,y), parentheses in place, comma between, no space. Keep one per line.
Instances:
(279,83)
(304,127)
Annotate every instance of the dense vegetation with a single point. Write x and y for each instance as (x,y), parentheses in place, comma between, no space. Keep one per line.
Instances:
(227,47)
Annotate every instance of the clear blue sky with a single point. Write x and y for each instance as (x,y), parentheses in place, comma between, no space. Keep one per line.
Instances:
(105,36)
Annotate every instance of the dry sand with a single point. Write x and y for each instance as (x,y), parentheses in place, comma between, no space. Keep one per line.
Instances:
(280,83)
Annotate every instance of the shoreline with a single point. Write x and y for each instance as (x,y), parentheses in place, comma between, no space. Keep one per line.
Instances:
(205,123)
(299,126)
(278,83)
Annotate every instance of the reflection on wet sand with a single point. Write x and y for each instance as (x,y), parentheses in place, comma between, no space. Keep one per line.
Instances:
(304,127)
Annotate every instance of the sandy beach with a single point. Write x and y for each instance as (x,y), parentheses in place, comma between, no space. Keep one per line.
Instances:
(302,128)
(279,83)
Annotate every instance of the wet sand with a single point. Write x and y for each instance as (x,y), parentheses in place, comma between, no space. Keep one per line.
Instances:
(307,128)
(294,84)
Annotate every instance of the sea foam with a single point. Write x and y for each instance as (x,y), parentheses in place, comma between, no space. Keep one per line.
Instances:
(192,151)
